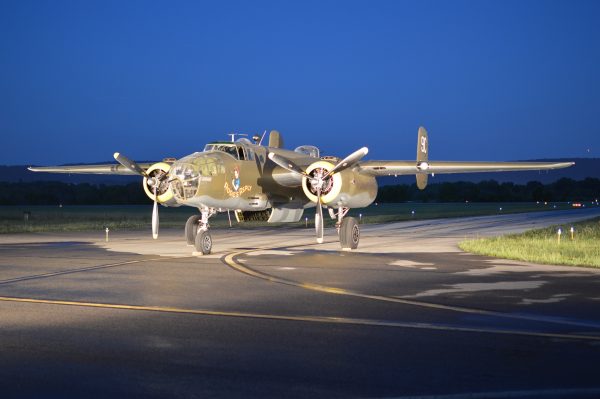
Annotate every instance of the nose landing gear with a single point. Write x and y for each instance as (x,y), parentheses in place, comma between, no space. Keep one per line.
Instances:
(203,242)
(196,231)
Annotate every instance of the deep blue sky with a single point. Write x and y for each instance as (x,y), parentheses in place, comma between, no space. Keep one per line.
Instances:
(498,80)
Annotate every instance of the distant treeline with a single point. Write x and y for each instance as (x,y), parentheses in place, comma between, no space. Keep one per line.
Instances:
(53,193)
(491,191)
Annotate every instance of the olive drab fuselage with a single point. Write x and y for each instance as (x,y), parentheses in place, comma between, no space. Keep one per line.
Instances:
(239,176)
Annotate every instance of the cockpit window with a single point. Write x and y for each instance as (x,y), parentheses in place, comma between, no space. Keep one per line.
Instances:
(230,149)
(238,151)
(309,150)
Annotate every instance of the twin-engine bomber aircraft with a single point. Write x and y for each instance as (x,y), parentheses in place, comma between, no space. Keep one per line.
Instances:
(270,183)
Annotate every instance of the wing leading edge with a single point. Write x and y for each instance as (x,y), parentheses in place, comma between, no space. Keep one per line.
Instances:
(387,168)
(105,169)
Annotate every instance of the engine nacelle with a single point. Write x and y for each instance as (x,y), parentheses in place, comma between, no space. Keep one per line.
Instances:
(164,192)
(347,188)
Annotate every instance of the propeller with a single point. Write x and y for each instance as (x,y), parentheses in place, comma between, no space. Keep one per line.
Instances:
(152,181)
(348,162)
(286,164)
(155,214)
(345,163)
(129,164)
(317,181)
(319,218)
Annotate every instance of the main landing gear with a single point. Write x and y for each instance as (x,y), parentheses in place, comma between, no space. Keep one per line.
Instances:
(196,231)
(347,228)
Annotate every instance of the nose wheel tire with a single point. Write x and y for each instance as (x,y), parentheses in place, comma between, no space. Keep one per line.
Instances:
(349,233)
(203,242)
(191,229)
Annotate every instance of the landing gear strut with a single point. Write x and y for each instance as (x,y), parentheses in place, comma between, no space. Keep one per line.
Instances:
(196,231)
(347,228)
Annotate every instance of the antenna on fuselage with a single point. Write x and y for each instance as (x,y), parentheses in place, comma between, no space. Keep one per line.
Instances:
(235,134)
(262,137)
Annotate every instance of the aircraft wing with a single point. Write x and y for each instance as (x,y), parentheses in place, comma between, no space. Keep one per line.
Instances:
(106,169)
(387,168)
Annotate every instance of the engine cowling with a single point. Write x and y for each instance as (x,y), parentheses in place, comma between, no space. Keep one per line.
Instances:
(159,171)
(347,188)
(332,186)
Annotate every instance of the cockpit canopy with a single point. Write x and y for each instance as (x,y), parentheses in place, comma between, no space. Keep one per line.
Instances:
(309,150)
(239,149)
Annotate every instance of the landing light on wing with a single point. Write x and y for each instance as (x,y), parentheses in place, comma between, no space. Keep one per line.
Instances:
(422,166)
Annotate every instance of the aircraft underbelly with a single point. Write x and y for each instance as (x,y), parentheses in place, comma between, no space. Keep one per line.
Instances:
(245,204)
(353,200)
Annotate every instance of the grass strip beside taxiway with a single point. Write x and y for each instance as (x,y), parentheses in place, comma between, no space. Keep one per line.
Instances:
(578,248)
(34,219)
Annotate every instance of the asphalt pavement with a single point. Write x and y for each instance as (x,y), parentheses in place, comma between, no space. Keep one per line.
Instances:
(273,314)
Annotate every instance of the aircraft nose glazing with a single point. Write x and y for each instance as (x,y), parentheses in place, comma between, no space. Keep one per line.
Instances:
(184,180)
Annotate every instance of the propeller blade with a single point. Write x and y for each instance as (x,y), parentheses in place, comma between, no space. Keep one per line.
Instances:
(319,218)
(129,164)
(349,161)
(155,216)
(286,163)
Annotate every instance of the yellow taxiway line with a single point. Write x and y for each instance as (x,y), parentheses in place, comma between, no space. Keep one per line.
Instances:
(231,261)
(313,319)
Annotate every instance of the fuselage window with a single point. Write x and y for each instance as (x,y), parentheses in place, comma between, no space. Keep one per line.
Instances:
(241,154)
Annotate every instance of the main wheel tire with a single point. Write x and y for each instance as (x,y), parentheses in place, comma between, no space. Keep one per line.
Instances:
(191,229)
(349,233)
(203,242)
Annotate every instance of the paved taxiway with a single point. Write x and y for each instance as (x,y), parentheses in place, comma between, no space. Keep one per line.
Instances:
(273,314)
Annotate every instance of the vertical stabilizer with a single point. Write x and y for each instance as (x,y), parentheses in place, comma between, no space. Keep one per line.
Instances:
(422,158)
(275,139)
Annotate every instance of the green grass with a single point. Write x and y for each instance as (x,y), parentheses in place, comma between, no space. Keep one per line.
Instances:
(542,245)
(85,218)
(131,217)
